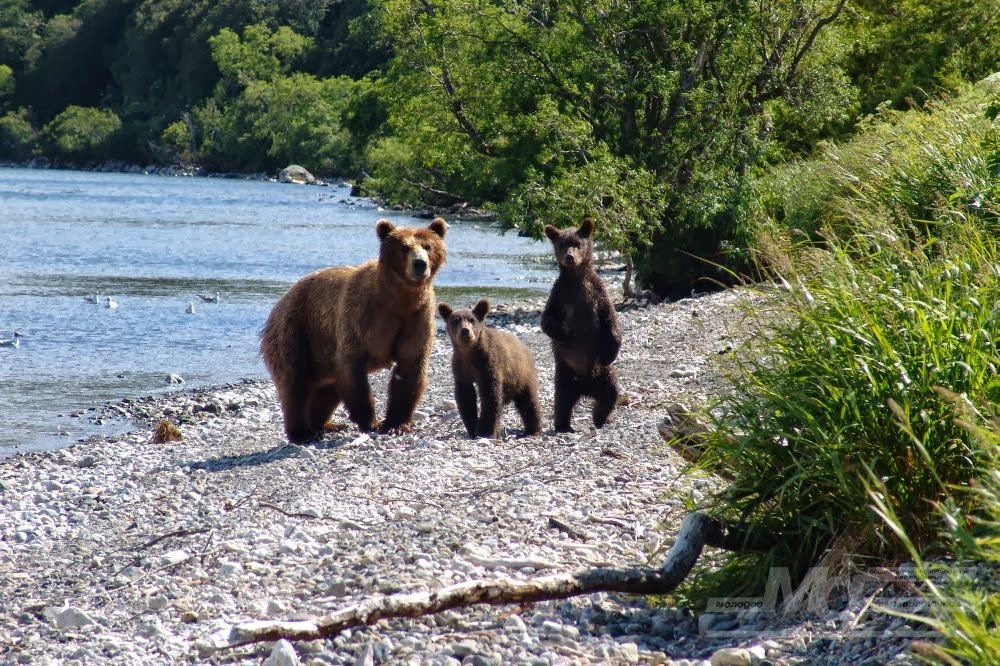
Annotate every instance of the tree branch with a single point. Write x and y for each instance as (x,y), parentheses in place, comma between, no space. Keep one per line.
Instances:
(458,110)
(697,531)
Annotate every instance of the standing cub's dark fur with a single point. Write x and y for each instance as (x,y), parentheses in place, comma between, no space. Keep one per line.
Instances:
(580,319)
(498,364)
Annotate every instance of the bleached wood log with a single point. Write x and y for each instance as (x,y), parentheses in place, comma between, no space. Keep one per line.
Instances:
(697,531)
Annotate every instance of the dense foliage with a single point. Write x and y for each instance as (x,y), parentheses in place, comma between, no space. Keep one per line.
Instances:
(896,306)
(654,117)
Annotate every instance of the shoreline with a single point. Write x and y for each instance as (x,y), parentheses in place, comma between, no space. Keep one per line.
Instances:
(118,550)
(458,211)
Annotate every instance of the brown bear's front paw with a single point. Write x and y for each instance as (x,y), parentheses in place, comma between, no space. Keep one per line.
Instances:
(402,429)
(330,426)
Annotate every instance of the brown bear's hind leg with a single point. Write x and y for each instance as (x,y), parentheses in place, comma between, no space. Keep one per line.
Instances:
(293,407)
(605,392)
(527,406)
(568,392)
(322,401)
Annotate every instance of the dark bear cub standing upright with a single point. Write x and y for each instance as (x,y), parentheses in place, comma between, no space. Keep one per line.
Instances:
(498,364)
(580,319)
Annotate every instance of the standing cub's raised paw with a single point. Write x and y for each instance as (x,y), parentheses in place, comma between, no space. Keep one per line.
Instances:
(580,319)
(496,363)
(334,326)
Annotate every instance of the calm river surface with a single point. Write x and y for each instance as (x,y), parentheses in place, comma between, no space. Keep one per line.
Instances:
(153,244)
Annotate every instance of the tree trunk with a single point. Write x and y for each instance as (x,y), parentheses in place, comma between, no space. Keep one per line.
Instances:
(627,290)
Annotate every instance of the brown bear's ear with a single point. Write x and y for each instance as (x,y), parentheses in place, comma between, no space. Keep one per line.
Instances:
(551,232)
(586,228)
(438,226)
(444,310)
(383,228)
(481,309)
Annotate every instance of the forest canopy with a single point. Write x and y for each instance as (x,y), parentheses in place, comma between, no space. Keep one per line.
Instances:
(658,118)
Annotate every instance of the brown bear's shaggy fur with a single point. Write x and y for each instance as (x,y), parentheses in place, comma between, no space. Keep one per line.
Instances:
(498,364)
(580,319)
(336,325)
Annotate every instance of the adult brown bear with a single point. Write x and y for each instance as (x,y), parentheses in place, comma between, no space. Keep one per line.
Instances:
(336,325)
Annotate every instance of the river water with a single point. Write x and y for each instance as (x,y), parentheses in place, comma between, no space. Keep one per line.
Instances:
(153,244)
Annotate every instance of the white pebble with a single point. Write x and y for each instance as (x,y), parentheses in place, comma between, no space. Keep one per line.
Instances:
(283,654)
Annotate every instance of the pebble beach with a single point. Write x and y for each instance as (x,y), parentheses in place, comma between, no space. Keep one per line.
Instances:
(126,551)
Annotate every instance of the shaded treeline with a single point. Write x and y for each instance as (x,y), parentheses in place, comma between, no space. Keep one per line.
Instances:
(657,118)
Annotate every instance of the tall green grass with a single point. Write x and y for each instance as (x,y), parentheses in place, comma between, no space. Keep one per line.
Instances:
(905,168)
(892,291)
(966,603)
(809,413)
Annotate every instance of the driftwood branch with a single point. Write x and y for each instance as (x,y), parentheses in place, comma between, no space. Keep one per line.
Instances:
(697,531)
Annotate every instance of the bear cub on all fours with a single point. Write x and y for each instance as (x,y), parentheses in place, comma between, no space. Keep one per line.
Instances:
(580,319)
(496,363)
(334,326)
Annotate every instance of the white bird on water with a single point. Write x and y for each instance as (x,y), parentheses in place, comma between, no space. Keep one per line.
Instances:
(190,308)
(209,298)
(110,302)
(13,343)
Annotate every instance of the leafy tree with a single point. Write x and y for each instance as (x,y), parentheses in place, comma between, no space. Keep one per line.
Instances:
(69,63)
(82,134)
(20,27)
(17,136)
(177,141)
(164,66)
(6,81)
(663,108)
(259,55)
(261,117)
(908,51)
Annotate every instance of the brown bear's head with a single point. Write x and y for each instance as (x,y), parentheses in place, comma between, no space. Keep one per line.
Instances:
(574,248)
(465,327)
(415,254)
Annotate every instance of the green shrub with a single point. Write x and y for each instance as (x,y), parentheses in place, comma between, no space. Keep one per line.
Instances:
(6,81)
(17,136)
(877,320)
(907,166)
(177,140)
(82,134)
(887,250)
(965,605)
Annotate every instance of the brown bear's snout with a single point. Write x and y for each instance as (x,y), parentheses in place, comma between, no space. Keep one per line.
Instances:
(418,264)
(465,333)
(569,258)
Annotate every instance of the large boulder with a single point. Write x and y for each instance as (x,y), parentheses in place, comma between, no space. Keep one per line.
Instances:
(293,173)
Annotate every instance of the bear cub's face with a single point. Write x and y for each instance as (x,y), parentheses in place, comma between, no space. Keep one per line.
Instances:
(414,252)
(573,249)
(465,327)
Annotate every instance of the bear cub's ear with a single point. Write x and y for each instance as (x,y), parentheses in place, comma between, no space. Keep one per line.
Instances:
(438,226)
(586,228)
(383,228)
(551,232)
(481,309)
(444,310)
